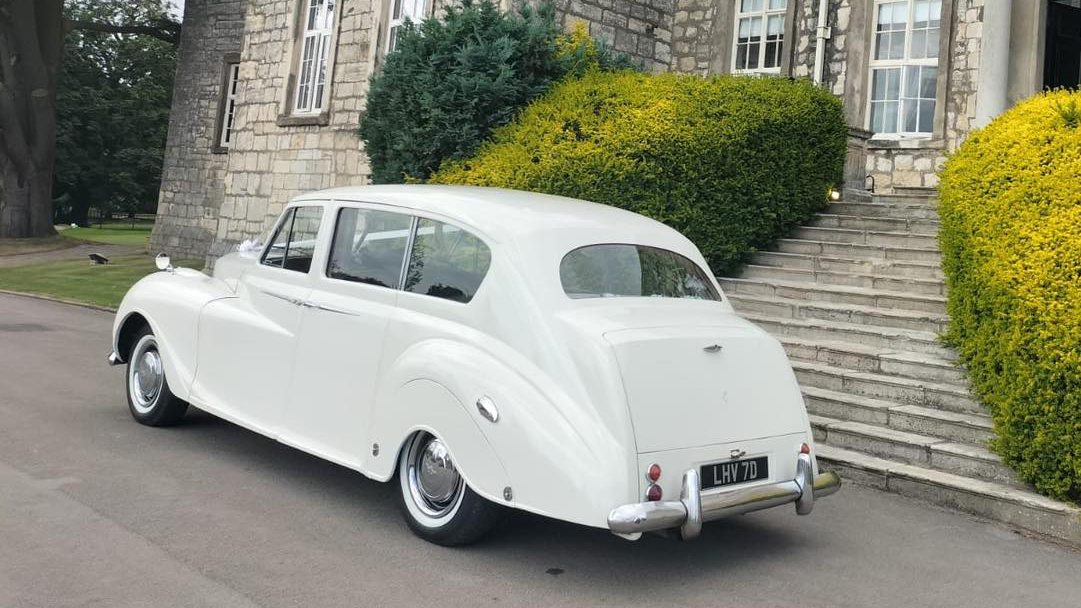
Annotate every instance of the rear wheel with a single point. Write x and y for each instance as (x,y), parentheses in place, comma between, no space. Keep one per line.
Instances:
(149,398)
(435,500)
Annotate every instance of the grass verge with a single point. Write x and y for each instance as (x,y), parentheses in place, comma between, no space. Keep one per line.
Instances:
(80,281)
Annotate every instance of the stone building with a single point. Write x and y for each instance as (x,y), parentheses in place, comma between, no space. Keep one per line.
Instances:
(268,92)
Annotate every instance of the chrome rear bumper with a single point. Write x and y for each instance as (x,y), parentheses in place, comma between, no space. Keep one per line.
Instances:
(695,507)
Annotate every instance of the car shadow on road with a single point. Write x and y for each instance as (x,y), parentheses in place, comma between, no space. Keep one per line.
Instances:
(527,544)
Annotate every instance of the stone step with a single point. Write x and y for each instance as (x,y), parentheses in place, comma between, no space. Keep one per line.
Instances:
(856,251)
(970,428)
(928,194)
(882,224)
(849,279)
(863,315)
(862,335)
(866,237)
(837,294)
(999,502)
(897,210)
(939,395)
(870,266)
(936,453)
(878,360)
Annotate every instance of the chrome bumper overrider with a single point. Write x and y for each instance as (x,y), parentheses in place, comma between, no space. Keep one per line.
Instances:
(695,507)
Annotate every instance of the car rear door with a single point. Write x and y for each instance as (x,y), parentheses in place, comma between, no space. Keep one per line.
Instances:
(339,352)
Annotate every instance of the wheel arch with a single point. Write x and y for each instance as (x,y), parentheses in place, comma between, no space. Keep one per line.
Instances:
(125,336)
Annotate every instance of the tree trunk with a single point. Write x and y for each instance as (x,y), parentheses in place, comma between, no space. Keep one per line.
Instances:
(31,39)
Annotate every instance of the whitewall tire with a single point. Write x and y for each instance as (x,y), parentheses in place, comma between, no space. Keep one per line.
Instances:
(149,398)
(437,503)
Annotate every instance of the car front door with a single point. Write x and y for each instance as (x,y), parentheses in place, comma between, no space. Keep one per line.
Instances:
(339,352)
(247,344)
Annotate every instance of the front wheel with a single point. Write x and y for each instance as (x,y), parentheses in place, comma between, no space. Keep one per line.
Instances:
(149,398)
(438,505)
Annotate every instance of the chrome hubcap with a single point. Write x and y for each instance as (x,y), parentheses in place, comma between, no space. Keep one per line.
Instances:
(147,375)
(434,482)
(436,474)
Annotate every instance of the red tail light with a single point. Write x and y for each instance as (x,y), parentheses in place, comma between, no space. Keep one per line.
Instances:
(805,449)
(654,493)
(654,472)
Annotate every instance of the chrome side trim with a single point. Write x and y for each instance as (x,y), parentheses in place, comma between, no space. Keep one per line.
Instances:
(695,507)
(326,308)
(293,301)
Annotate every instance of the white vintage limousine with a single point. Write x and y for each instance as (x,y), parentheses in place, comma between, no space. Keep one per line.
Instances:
(484,349)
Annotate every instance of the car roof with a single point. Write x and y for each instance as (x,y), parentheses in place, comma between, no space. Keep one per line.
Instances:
(501,212)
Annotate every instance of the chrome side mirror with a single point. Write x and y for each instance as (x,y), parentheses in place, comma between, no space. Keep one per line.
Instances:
(162,262)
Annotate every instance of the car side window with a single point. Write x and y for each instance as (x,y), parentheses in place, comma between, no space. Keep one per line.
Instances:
(446,262)
(369,246)
(275,253)
(293,245)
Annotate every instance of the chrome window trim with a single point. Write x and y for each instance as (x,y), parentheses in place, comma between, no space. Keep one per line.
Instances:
(408,257)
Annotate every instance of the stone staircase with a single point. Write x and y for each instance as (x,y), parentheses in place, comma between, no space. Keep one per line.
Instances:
(857,297)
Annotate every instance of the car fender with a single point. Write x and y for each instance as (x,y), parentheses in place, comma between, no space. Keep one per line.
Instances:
(559,459)
(424,405)
(170,303)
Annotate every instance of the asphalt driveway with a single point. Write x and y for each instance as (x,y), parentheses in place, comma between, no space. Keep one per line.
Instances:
(96,510)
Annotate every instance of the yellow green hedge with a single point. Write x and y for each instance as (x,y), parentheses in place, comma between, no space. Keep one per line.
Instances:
(1010,201)
(732,162)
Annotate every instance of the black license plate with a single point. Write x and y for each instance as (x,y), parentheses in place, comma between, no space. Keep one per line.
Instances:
(734,471)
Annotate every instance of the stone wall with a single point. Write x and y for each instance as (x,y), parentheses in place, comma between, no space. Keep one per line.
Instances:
(193,174)
(276,156)
(641,29)
(695,43)
(842,26)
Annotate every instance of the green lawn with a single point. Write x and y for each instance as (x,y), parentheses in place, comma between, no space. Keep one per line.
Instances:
(81,281)
(112,234)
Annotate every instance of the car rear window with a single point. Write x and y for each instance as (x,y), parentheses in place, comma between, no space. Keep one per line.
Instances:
(619,270)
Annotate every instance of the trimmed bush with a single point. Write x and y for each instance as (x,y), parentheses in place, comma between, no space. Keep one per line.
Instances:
(1010,201)
(451,80)
(731,162)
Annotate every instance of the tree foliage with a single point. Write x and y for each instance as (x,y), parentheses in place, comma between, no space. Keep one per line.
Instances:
(450,81)
(113,104)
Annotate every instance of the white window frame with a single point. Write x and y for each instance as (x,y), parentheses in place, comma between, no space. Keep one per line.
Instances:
(316,38)
(232,79)
(400,10)
(904,62)
(764,15)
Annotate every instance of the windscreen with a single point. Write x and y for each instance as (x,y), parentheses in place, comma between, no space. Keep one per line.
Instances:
(620,270)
